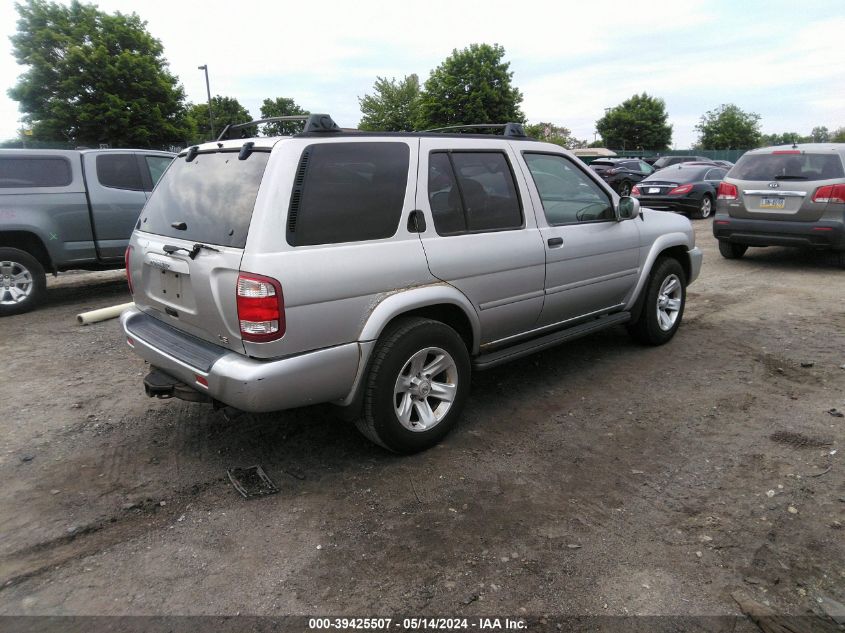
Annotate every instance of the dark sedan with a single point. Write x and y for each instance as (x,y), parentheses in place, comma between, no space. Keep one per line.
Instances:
(683,188)
(621,173)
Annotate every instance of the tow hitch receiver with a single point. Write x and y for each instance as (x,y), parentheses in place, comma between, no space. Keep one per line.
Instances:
(157,384)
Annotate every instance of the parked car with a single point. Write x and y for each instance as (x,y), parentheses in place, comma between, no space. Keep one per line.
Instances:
(67,209)
(724,163)
(374,271)
(685,188)
(621,173)
(668,161)
(783,196)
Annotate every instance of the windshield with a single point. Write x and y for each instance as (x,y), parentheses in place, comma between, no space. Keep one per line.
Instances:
(788,167)
(209,199)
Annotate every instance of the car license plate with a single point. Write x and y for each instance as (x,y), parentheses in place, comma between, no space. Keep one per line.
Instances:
(772,203)
(654,190)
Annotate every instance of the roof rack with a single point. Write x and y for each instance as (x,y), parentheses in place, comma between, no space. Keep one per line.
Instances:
(508,129)
(313,123)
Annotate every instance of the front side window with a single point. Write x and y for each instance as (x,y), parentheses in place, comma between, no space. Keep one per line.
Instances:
(348,192)
(569,196)
(119,171)
(471,192)
(34,172)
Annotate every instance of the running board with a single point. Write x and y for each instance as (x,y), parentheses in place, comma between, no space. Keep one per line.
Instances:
(499,357)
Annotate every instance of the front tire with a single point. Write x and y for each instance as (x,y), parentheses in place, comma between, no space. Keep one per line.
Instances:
(23,283)
(705,208)
(663,303)
(729,250)
(416,387)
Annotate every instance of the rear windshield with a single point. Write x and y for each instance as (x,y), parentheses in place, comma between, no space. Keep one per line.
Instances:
(787,167)
(684,174)
(210,198)
(34,172)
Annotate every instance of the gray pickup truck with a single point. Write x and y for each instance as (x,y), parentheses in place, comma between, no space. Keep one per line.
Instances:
(67,209)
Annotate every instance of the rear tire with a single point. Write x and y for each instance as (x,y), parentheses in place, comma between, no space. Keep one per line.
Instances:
(23,283)
(705,208)
(663,303)
(416,386)
(729,250)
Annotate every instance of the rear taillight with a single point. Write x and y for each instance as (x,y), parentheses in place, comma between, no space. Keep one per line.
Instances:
(727,191)
(127,260)
(261,308)
(830,193)
(635,192)
(677,191)
(613,171)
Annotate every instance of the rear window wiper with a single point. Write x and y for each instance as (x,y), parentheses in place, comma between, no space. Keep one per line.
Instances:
(788,177)
(170,249)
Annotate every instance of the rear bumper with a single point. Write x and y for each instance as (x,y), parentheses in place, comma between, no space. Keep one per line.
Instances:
(236,380)
(822,234)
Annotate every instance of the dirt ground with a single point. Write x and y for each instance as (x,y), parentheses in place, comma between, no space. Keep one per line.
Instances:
(600,477)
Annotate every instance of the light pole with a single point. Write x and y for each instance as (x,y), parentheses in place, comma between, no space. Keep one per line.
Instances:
(208,89)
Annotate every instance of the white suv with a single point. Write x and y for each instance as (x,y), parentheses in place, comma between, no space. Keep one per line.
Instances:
(375,270)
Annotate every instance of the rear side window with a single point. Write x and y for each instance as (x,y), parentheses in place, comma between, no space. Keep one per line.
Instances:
(35,172)
(348,192)
(788,167)
(568,195)
(119,171)
(472,192)
(156,165)
(209,199)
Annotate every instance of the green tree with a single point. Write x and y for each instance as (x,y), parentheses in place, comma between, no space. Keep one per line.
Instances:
(637,123)
(820,134)
(94,77)
(786,138)
(551,133)
(393,106)
(281,106)
(471,86)
(838,135)
(728,127)
(226,111)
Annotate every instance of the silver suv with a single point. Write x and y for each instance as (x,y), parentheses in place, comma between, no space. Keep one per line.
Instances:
(783,196)
(375,271)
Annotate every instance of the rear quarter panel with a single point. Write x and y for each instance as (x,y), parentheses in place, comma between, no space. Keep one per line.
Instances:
(329,290)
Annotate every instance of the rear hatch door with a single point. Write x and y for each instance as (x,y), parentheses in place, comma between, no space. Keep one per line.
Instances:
(780,185)
(187,250)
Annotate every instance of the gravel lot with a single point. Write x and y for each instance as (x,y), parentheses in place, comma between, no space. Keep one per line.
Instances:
(597,478)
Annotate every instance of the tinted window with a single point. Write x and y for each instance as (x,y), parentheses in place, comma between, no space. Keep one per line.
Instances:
(348,192)
(119,171)
(472,192)
(645,167)
(213,195)
(714,174)
(568,195)
(157,165)
(788,167)
(34,172)
(679,173)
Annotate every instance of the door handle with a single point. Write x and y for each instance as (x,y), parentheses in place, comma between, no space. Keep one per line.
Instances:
(554,242)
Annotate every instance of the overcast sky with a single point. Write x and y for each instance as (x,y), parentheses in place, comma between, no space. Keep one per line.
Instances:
(571,59)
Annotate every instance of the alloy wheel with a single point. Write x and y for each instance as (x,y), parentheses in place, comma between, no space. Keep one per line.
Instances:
(425,389)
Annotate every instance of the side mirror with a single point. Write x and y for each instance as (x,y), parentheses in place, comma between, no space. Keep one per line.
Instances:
(628,209)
